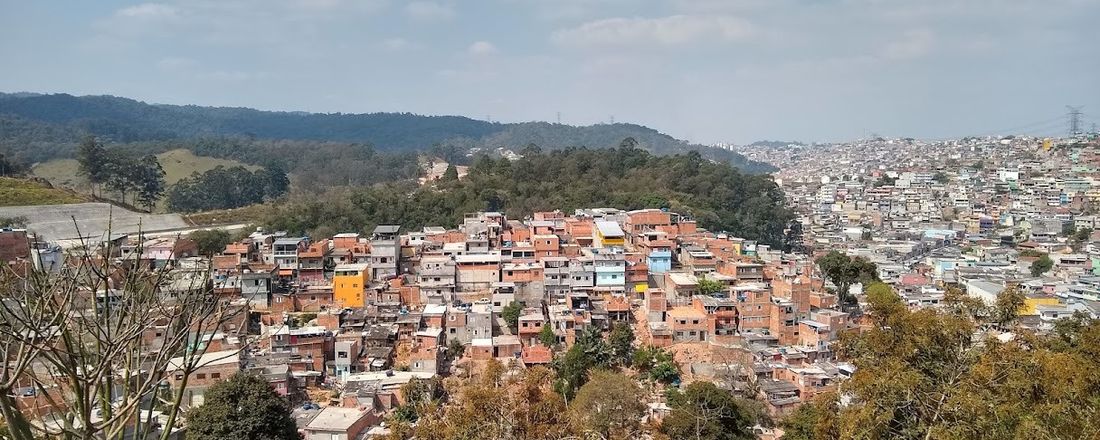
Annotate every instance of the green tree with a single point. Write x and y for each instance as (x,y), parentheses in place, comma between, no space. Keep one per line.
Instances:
(149,181)
(245,406)
(710,287)
(450,174)
(92,159)
(882,301)
(417,393)
(455,349)
(10,167)
(813,420)
(704,411)
(843,271)
(621,343)
(589,351)
(1041,265)
(610,405)
(940,177)
(210,241)
(511,314)
(547,336)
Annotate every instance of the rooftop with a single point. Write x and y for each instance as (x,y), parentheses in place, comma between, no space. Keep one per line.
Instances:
(335,418)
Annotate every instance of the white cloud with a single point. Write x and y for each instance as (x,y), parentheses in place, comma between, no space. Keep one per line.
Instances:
(396,44)
(481,48)
(175,64)
(429,11)
(147,10)
(914,44)
(668,31)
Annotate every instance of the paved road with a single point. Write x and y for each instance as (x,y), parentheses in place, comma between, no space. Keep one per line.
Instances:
(67,224)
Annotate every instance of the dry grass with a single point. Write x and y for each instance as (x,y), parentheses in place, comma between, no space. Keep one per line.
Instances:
(21,192)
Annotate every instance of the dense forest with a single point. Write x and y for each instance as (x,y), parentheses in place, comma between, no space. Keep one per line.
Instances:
(720,197)
(35,128)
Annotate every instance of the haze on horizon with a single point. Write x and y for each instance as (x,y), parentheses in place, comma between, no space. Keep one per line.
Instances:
(703,70)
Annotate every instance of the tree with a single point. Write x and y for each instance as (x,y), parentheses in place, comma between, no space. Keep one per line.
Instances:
(418,393)
(704,411)
(922,374)
(511,314)
(1007,306)
(843,271)
(10,167)
(710,287)
(491,406)
(793,240)
(1042,265)
(274,180)
(149,181)
(940,177)
(450,174)
(211,241)
(813,420)
(589,351)
(245,406)
(883,302)
(547,336)
(96,361)
(92,159)
(610,404)
(621,343)
(455,349)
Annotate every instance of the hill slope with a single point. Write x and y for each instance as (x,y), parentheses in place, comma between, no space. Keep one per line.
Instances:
(23,192)
(178,164)
(28,119)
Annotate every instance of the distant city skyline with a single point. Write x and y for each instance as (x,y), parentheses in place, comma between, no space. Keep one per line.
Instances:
(708,71)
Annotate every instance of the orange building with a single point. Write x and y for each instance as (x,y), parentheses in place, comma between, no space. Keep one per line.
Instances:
(348,283)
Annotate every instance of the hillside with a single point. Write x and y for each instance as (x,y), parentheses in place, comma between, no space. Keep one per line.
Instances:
(35,128)
(178,164)
(719,197)
(20,192)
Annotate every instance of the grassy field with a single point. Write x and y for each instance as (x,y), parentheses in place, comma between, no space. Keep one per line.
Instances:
(177,165)
(18,192)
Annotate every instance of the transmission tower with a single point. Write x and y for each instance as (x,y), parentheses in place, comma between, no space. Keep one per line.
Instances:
(1074,116)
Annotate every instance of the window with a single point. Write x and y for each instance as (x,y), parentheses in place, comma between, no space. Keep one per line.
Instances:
(313,297)
(215,375)
(342,354)
(200,376)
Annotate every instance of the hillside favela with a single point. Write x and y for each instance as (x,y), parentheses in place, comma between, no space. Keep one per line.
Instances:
(572,219)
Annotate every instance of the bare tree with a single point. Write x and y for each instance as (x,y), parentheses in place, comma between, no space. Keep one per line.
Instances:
(80,342)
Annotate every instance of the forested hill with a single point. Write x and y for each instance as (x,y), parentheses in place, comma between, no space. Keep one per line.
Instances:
(719,197)
(37,127)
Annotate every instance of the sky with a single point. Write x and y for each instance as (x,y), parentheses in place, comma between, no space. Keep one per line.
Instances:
(707,71)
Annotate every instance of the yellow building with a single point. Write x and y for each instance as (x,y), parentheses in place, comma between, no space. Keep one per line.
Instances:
(1031,302)
(609,234)
(348,284)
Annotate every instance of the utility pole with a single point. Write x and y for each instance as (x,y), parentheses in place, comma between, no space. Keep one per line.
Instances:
(1074,116)
(559,118)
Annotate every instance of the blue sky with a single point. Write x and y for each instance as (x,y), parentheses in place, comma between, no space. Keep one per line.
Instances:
(703,70)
